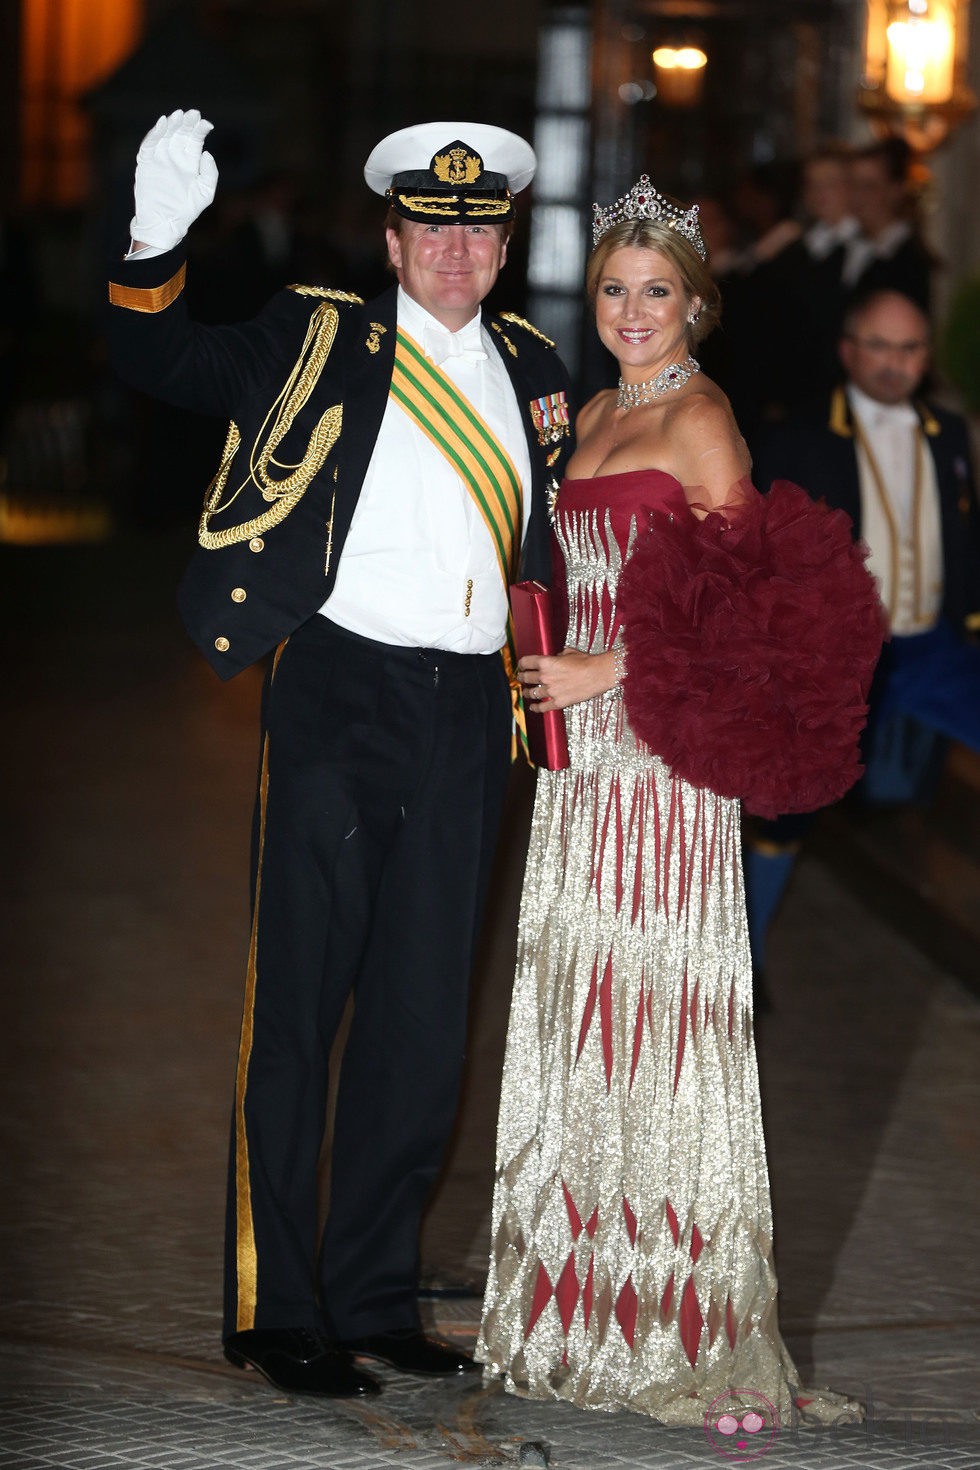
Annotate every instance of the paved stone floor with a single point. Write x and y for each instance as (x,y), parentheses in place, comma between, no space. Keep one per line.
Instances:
(125,811)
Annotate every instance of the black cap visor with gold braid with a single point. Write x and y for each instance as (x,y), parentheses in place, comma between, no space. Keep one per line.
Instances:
(455,187)
(472,174)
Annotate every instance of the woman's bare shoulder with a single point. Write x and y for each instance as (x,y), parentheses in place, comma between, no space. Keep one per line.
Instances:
(704,407)
(703,419)
(704,440)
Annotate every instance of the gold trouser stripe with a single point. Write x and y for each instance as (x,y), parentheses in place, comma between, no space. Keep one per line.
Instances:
(148,298)
(246,1255)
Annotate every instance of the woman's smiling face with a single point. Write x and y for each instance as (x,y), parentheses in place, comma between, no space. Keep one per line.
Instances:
(641,311)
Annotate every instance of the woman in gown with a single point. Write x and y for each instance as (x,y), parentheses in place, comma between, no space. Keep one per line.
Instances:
(719,648)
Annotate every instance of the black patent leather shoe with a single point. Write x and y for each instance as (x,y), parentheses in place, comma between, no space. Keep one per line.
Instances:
(300,1360)
(410,1351)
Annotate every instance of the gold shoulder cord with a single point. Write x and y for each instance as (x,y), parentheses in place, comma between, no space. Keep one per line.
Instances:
(284,493)
(520,321)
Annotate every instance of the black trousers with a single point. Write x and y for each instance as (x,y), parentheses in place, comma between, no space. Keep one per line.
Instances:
(380,796)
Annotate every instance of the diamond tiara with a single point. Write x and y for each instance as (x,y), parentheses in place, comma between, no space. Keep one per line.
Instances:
(643,202)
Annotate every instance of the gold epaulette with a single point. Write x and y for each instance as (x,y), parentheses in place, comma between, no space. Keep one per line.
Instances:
(329,295)
(930,424)
(519,321)
(840,415)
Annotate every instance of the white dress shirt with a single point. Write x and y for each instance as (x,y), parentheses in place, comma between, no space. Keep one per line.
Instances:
(905,540)
(418,566)
(821,238)
(861,251)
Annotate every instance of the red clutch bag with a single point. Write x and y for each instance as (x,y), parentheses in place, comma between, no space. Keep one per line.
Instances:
(530,605)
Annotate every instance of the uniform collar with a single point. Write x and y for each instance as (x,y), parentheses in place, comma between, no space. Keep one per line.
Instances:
(437,341)
(841,418)
(875,415)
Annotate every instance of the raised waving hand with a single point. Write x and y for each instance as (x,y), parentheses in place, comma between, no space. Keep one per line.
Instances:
(175,179)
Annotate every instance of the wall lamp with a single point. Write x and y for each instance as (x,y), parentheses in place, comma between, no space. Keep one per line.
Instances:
(915,57)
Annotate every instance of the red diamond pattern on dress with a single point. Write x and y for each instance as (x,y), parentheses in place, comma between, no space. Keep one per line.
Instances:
(681,1033)
(603,993)
(605,1021)
(630,1221)
(682,873)
(592,1223)
(657,851)
(567,1293)
(619,844)
(587,1290)
(667,1300)
(590,1000)
(672,1222)
(636,825)
(709,858)
(600,853)
(663,876)
(637,1033)
(574,1218)
(692,1321)
(697,1244)
(543,1292)
(626,1304)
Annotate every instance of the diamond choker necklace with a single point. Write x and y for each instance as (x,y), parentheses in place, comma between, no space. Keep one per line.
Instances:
(673,376)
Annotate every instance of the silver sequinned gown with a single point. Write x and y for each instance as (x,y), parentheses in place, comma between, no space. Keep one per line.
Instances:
(631,1262)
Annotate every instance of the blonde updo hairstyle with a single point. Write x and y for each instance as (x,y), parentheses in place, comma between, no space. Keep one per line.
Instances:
(648,234)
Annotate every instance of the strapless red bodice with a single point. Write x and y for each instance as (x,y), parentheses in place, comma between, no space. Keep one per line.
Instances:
(625,495)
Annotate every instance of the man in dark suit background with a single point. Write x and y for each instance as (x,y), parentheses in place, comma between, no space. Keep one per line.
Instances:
(901,468)
(887,252)
(386,475)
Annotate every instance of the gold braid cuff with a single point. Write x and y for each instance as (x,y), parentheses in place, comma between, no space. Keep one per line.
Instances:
(148,298)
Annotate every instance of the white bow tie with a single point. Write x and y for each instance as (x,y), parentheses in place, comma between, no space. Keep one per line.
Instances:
(895,416)
(445,346)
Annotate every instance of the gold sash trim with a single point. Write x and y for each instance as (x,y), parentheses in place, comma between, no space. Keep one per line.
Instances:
(453,425)
(469,445)
(149,299)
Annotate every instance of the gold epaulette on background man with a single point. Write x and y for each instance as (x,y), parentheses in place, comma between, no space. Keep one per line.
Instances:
(520,321)
(328,294)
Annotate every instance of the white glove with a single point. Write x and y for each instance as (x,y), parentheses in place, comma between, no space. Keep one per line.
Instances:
(175,179)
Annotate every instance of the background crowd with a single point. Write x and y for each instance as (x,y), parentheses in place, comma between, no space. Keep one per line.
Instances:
(790,244)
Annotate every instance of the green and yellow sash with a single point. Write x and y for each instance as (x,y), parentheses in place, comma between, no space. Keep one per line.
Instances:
(467,442)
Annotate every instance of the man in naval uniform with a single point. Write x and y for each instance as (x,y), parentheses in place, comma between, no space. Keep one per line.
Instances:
(386,474)
(901,469)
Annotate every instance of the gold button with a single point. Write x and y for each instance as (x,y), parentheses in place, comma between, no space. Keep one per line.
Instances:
(222,645)
(238,594)
(256,544)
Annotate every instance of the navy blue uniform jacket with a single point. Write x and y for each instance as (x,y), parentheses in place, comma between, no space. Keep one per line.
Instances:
(240,599)
(817,450)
